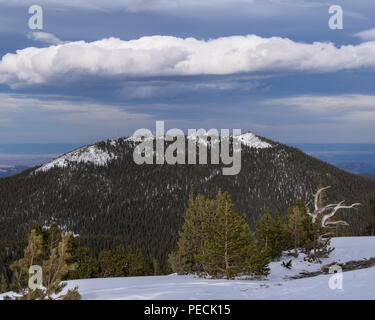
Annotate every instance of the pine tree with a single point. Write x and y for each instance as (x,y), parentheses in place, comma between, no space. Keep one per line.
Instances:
(32,256)
(264,230)
(258,261)
(137,263)
(199,215)
(87,267)
(120,262)
(81,265)
(230,245)
(371,217)
(294,225)
(271,235)
(108,265)
(49,250)
(155,267)
(3,284)
(279,235)
(55,268)
(123,263)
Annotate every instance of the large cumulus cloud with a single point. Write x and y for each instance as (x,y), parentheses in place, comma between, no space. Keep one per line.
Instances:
(163,56)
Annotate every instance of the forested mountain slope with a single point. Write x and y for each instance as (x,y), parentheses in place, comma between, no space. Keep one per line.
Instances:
(99,193)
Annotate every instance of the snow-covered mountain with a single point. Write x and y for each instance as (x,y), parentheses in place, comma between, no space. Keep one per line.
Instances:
(99,192)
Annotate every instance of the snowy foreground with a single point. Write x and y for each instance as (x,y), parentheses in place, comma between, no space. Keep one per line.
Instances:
(357,284)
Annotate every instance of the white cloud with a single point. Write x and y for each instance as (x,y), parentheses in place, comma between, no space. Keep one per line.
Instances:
(331,103)
(132,5)
(300,3)
(171,56)
(360,117)
(44,37)
(367,35)
(349,109)
(168,89)
(330,118)
(65,107)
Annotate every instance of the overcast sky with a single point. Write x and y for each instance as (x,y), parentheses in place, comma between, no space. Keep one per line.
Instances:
(101,69)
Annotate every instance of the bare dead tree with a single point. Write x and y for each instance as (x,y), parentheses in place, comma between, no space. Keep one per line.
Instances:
(325,213)
(328,211)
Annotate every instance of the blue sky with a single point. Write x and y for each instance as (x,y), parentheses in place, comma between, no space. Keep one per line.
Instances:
(101,69)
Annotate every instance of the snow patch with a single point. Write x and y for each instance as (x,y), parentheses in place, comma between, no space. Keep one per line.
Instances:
(140,137)
(90,154)
(249,139)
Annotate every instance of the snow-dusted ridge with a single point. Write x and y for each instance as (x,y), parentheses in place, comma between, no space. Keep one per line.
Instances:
(94,155)
(139,138)
(248,139)
(88,154)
